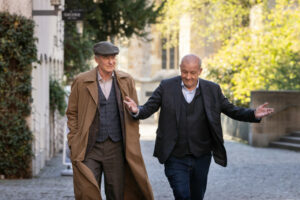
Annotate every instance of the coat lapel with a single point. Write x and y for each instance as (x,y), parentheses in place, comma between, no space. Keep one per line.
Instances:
(177,98)
(120,106)
(92,87)
(123,89)
(206,102)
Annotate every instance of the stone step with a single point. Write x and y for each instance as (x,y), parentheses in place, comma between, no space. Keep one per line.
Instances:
(286,145)
(296,133)
(290,139)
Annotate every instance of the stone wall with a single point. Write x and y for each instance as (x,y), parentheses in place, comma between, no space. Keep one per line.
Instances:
(235,129)
(285,119)
(15,7)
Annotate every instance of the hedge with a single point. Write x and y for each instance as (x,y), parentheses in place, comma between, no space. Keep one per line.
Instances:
(17,53)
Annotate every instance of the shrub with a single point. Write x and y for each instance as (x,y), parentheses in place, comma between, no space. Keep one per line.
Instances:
(17,53)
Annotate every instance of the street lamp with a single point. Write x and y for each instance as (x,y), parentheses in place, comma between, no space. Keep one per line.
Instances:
(55,3)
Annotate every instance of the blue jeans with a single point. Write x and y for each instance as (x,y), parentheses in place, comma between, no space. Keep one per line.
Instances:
(188,176)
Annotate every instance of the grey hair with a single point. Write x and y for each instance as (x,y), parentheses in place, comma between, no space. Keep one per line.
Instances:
(191,58)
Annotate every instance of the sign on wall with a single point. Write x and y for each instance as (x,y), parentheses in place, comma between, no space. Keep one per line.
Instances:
(72,15)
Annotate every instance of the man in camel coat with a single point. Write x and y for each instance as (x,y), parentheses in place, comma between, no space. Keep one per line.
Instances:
(103,137)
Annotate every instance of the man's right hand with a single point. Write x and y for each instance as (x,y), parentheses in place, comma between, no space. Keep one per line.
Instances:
(131,105)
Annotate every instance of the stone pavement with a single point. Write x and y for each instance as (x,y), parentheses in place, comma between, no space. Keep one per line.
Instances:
(251,174)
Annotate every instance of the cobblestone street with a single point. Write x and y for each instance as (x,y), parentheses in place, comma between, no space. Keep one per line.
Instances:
(252,173)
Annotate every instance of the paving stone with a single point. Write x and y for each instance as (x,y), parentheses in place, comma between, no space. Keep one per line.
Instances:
(251,174)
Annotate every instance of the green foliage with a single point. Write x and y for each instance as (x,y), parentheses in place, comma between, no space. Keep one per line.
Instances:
(120,18)
(264,59)
(214,21)
(169,23)
(219,20)
(78,51)
(103,21)
(57,97)
(17,53)
(261,55)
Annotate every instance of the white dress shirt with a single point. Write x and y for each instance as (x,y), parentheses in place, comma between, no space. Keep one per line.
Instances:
(105,85)
(189,95)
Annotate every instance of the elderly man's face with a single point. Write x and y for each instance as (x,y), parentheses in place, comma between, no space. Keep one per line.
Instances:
(190,72)
(106,63)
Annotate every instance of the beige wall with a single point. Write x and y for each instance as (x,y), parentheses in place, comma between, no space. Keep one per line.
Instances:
(139,57)
(235,129)
(284,120)
(20,7)
(48,128)
(142,60)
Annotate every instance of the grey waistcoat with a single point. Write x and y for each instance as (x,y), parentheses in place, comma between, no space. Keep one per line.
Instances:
(109,126)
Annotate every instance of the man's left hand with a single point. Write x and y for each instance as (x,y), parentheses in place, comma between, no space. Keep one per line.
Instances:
(261,111)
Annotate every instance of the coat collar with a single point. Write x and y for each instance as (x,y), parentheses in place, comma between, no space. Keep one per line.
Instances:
(91,78)
(92,75)
(177,99)
(205,90)
(178,91)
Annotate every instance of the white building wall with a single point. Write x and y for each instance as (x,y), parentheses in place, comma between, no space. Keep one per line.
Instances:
(50,33)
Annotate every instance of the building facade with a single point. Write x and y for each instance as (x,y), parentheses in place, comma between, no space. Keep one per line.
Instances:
(47,127)
(151,60)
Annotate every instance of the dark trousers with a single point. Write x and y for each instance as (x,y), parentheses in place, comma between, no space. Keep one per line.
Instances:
(108,157)
(188,176)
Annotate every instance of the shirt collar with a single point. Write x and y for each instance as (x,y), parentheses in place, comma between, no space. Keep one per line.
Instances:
(100,78)
(183,86)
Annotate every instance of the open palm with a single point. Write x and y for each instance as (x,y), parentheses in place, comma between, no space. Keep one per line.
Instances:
(262,111)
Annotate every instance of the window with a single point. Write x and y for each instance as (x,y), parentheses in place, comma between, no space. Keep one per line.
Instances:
(169,56)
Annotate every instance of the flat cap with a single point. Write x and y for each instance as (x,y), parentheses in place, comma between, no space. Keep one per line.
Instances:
(105,48)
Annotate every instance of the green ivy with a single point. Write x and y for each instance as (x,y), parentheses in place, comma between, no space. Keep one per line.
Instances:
(57,97)
(17,53)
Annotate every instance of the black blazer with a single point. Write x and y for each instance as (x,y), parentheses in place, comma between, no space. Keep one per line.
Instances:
(167,97)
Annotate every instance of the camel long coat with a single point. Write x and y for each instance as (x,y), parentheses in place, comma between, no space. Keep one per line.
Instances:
(82,107)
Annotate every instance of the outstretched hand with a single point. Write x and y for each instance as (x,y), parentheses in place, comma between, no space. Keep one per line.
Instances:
(131,105)
(261,111)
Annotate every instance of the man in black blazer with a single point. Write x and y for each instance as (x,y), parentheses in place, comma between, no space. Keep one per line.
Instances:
(189,129)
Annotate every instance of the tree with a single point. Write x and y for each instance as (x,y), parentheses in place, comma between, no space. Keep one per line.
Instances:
(77,51)
(212,20)
(248,59)
(107,19)
(264,59)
